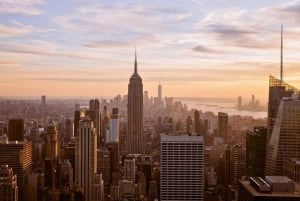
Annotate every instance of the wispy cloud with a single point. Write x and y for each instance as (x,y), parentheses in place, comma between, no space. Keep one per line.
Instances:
(16,28)
(23,7)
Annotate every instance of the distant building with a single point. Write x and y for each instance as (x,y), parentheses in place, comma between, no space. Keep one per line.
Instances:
(182,168)
(197,122)
(16,130)
(222,125)
(114,126)
(8,184)
(159,92)
(135,136)
(240,103)
(256,151)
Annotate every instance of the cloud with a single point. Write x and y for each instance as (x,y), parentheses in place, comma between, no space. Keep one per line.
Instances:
(287,13)
(204,49)
(24,7)
(17,28)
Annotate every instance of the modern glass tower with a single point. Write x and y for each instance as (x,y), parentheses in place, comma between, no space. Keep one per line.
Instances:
(135,137)
(284,141)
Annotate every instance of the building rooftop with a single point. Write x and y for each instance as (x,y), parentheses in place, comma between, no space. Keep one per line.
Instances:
(181,138)
(246,184)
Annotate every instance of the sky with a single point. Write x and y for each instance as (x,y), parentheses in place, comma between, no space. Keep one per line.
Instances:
(200,48)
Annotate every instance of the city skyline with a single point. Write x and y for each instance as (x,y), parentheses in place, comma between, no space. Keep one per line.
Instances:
(73,48)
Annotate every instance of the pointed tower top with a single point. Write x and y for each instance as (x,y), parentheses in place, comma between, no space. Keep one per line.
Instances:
(135,63)
(281,62)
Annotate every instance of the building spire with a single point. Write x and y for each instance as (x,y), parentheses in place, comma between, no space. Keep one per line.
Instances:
(135,64)
(281,63)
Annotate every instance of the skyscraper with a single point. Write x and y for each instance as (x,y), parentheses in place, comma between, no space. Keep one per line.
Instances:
(86,156)
(182,168)
(8,184)
(135,137)
(284,142)
(159,92)
(277,90)
(16,129)
(256,152)
(114,126)
(94,105)
(18,156)
(197,122)
(222,125)
(51,154)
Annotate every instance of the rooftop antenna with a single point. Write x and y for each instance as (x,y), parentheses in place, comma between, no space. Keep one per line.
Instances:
(281,63)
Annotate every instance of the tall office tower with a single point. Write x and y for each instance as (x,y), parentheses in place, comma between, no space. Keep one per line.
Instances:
(16,130)
(135,136)
(256,152)
(222,125)
(113,148)
(86,156)
(239,103)
(239,163)
(103,167)
(104,125)
(51,154)
(43,109)
(197,122)
(146,99)
(43,102)
(228,170)
(77,115)
(189,125)
(129,169)
(277,90)
(95,106)
(114,126)
(18,156)
(8,184)
(182,168)
(68,130)
(284,142)
(159,95)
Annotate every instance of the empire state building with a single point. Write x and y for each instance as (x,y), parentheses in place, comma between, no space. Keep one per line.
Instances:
(135,136)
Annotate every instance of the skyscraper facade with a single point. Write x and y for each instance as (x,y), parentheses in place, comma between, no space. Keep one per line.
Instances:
(18,156)
(256,152)
(277,90)
(86,156)
(284,142)
(159,92)
(182,168)
(16,129)
(222,125)
(51,154)
(135,137)
(114,126)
